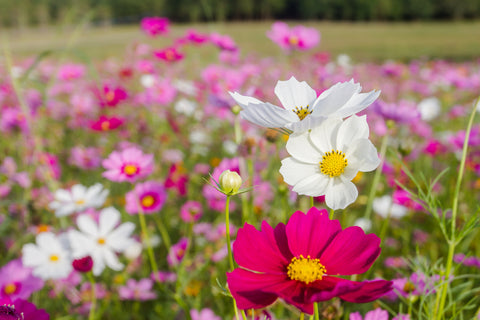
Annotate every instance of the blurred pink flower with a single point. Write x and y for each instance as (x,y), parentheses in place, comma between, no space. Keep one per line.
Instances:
(17,281)
(128,165)
(106,123)
(169,54)
(140,290)
(296,38)
(149,197)
(191,211)
(154,26)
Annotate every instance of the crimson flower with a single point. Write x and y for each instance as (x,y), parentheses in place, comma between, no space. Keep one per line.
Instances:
(84,264)
(299,262)
(106,124)
(169,54)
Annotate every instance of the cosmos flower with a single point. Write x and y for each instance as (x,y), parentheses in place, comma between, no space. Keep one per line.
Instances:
(78,199)
(154,26)
(149,196)
(169,54)
(101,240)
(300,265)
(106,123)
(325,160)
(112,96)
(204,314)
(377,314)
(20,309)
(296,38)
(129,165)
(49,257)
(137,290)
(17,281)
(303,110)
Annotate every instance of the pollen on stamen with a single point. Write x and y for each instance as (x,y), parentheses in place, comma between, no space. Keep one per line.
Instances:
(302,112)
(306,270)
(333,163)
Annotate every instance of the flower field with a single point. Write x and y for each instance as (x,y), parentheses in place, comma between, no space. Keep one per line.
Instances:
(300,185)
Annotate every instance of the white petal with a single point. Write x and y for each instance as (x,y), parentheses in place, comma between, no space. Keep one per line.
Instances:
(86,224)
(98,263)
(363,155)
(81,245)
(109,218)
(334,98)
(268,115)
(78,192)
(340,194)
(301,148)
(352,129)
(63,195)
(324,136)
(119,239)
(65,209)
(356,104)
(314,185)
(308,123)
(293,93)
(243,101)
(293,170)
(32,255)
(47,241)
(111,260)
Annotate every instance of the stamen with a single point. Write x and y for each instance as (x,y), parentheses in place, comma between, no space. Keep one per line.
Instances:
(101,241)
(302,112)
(147,201)
(130,169)
(306,270)
(333,163)
(54,258)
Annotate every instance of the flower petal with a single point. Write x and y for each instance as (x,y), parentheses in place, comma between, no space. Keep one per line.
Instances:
(309,122)
(109,218)
(86,224)
(334,98)
(301,148)
(352,129)
(268,115)
(331,287)
(265,245)
(371,290)
(357,103)
(314,186)
(340,193)
(364,155)
(351,252)
(293,93)
(294,171)
(303,233)
(323,137)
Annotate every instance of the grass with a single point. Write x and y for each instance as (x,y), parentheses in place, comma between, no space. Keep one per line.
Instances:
(362,41)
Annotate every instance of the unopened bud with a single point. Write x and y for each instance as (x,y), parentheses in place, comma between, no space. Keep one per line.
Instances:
(236,109)
(230,182)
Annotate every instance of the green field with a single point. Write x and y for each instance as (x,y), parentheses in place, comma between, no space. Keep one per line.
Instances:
(362,41)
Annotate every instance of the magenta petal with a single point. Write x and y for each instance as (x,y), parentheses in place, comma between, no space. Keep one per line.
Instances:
(331,287)
(258,250)
(311,233)
(251,290)
(371,290)
(351,252)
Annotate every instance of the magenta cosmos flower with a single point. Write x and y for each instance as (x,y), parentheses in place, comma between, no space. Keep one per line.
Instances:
(17,281)
(149,196)
(299,263)
(129,165)
(296,38)
(154,26)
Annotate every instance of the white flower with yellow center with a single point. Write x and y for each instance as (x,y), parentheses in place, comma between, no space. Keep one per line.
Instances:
(303,110)
(78,199)
(49,257)
(325,159)
(101,240)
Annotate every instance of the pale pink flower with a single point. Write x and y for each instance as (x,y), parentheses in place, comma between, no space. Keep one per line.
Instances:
(129,165)
(296,38)
(137,290)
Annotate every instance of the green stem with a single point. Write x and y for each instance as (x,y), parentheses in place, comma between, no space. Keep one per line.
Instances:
(91,315)
(440,302)
(331,214)
(227,232)
(163,231)
(302,316)
(315,311)
(312,202)
(376,177)
(146,239)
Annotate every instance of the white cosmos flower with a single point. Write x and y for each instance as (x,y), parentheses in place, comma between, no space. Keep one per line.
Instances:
(384,206)
(430,108)
(325,159)
(49,257)
(101,241)
(78,199)
(303,110)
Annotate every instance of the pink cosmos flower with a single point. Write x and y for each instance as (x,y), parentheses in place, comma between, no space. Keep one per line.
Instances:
(377,314)
(20,309)
(300,265)
(71,71)
(416,285)
(85,158)
(17,281)
(137,290)
(223,42)
(191,211)
(154,26)
(296,38)
(112,96)
(106,123)
(129,165)
(150,196)
(177,179)
(169,54)
(177,252)
(195,37)
(204,314)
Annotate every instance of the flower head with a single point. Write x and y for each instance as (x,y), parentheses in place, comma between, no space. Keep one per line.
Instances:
(303,110)
(129,165)
(78,199)
(325,159)
(106,124)
(137,290)
(17,281)
(299,264)
(149,197)
(296,38)
(154,26)
(20,309)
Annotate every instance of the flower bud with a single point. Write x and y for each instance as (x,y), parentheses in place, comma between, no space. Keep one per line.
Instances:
(84,264)
(230,182)
(236,109)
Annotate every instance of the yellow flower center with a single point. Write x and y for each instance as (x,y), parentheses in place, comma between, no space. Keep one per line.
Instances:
(306,269)
(130,169)
(147,201)
(333,163)
(302,112)
(105,125)
(293,40)
(110,96)
(101,241)
(79,202)
(10,288)
(42,228)
(169,55)
(54,258)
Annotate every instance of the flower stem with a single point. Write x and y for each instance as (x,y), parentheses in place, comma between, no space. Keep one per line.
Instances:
(146,238)
(331,214)
(302,316)
(315,310)
(312,202)
(227,232)
(163,231)
(91,315)
(442,296)
(376,177)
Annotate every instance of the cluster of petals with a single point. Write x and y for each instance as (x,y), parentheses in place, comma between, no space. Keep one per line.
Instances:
(325,159)
(140,290)
(78,199)
(154,26)
(129,165)
(147,197)
(104,123)
(20,309)
(326,251)
(303,110)
(17,281)
(296,38)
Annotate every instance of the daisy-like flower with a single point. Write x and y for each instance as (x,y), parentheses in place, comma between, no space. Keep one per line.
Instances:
(101,240)
(16,281)
(129,165)
(325,159)
(303,110)
(49,257)
(78,199)
(149,196)
(299,264)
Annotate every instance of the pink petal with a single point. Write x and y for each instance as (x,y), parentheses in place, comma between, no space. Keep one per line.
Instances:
(311,233)
(351,252)
(371,290)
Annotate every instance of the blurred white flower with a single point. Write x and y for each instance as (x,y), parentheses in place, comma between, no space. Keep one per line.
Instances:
(363,223)
(185,106)
(384,206)
(325,159)
(429,108)
(49,257)
(101,241)
(78,199)
(147,80)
